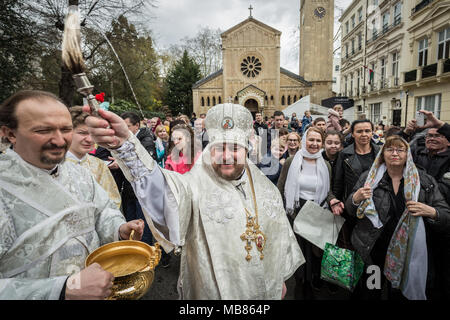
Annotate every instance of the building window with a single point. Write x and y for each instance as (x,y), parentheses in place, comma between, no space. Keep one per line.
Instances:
(345,84)
(351,84)
(395,65)
(334,80)
(353,21)
(203,102)
(220,100)
(397,13)
(375,2)
(383,72)
(214,101)
(295,98)
(385,21)
(251,67)
(353,46)
(375,112)
(208,101)
(346,50)
(360,41)
(444,44)
(430,103)
(373,66)
(282,101)
(336,67)
(374,29)
(358,82)
(346,28)
(360,16)
(289,100)
(423,52)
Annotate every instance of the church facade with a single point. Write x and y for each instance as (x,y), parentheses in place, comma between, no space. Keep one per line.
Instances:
(251,75)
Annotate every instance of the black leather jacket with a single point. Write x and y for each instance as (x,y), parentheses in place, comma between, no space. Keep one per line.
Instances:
(147,139)
(348,170)
(365,235)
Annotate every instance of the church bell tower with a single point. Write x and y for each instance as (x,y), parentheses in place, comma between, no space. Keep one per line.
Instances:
(316,46)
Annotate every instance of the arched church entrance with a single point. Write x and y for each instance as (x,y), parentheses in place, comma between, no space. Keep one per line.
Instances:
(252,106)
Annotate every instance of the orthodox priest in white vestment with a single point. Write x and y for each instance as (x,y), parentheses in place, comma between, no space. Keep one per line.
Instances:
(234,235)
(49,223)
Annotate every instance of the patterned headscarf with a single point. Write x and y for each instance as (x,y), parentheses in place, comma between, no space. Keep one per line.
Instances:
(406,264)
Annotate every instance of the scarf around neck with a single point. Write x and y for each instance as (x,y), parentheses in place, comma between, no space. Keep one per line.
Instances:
(406,263)
(292,186)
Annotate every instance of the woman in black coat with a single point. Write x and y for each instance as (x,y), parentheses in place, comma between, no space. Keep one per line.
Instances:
(394,200)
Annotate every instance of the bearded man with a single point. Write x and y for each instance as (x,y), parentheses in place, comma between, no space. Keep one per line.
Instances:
(52,213)
(227,217)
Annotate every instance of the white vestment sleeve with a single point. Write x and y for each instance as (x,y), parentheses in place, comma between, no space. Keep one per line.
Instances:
(150,187)
(31,289)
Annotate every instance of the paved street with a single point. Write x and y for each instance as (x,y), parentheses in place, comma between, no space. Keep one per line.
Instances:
(165,285)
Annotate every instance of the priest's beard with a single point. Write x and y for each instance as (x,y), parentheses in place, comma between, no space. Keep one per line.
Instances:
(54,159)
(229,174)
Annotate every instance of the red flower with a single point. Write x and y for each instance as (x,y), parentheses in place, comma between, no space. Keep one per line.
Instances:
(100,97)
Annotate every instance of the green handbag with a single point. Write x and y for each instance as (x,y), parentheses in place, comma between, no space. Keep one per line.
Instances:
(340,266)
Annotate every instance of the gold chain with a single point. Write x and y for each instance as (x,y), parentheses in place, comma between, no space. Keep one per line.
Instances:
(253,233)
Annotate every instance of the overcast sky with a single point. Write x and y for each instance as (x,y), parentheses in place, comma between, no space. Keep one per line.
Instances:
(173,20)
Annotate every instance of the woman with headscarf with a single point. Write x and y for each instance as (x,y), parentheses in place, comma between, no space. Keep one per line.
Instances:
(306,176)
(400,210)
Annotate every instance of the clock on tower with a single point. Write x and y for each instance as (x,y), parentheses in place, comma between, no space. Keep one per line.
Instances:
(316,46)
(320,12)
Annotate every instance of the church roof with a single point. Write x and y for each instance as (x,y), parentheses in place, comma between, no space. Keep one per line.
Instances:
(250,19)
(206,79)
(295,76)
(220,72)
(252,86)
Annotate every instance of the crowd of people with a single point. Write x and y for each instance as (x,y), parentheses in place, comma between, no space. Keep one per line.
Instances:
(215,167)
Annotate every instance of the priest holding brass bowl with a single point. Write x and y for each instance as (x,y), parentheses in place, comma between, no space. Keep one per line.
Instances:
(53,214)
(132,264)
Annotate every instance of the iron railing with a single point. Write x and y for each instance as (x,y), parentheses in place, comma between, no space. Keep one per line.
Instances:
(411,76)
(421,5)
(429,71)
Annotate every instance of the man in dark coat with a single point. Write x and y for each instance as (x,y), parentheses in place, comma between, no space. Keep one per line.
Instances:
(431,152)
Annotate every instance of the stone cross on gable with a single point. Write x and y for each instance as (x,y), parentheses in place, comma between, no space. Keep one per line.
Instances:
(250,8)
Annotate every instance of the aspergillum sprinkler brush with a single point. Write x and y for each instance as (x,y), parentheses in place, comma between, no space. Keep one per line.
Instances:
(72,57)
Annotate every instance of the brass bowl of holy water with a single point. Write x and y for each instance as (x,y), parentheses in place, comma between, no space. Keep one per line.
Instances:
(132,263)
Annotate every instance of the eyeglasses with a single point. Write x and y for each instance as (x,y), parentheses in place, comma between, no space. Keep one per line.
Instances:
(392,150)
(431,136)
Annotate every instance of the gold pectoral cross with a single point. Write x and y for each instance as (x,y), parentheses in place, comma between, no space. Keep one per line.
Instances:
(253,234)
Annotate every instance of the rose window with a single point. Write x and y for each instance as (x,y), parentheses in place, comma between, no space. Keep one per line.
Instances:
(251,67)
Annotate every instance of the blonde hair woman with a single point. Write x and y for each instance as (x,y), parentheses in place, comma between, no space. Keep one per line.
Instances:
(161,144)
(293,143)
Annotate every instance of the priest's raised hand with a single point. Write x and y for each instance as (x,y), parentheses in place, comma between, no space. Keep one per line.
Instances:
(110,131)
